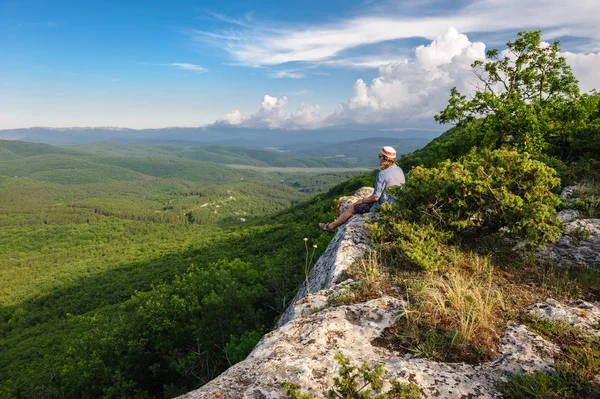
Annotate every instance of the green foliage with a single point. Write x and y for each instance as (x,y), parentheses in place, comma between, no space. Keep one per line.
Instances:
(420,244)
(452,144)
(579,234)
(526,99)
(356,382)
(561,384)
(404,391)
(574,136)
(293,391)
(238,348)
(520,94)
(480,194)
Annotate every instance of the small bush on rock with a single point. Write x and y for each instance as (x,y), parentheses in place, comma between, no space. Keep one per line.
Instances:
(357,382)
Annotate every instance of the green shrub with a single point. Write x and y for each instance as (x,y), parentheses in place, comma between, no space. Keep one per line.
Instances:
(481,193)
(420,245)
(237,349)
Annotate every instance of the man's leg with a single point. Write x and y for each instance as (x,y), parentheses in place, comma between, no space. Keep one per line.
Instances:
(343,217)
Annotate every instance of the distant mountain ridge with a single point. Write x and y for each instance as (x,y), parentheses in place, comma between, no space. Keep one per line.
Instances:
(257,138)
(357,153)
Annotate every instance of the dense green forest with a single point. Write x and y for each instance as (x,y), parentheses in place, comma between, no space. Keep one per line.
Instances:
(88,242)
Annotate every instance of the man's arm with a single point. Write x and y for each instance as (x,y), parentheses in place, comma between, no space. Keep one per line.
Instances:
(368,200)
(376,193)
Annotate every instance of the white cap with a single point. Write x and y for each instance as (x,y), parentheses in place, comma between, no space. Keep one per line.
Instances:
(389,152)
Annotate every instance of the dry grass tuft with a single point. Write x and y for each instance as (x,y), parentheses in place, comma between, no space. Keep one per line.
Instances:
(466,304)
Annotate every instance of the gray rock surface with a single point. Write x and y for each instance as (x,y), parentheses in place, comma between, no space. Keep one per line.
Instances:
(303,350)
(361,193)
(349,244)
(581,314)
(572,249)
(567,215)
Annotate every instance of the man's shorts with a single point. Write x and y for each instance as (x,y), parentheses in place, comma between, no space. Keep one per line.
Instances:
(362,208)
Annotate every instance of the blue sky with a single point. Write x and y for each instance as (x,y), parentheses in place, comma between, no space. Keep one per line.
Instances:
(261,64)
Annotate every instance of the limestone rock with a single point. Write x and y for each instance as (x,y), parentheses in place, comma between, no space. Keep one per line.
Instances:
(303,350)
(569,250)
(344,202)
(567,215)
(349,244)
(581,314)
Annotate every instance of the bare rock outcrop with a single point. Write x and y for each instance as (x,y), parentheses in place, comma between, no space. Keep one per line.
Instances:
(348,245)
(567,215)
(581,314)
(302,351)
(580,246)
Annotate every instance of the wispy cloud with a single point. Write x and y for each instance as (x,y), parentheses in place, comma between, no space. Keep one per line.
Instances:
(287,74)
(258,45)
(189,67)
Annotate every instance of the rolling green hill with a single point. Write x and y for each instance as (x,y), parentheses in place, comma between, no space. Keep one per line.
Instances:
(70,169)
(219,154)
(83,235)
(64,169)
(26,149)
(449,145)
(6,154)
(179,169)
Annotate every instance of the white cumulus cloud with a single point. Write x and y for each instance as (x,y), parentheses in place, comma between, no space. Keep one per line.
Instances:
(411,91)
(273,115)
(232,118)
(586,68)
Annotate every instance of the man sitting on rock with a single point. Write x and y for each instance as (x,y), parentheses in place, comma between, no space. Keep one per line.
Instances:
(390,175)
